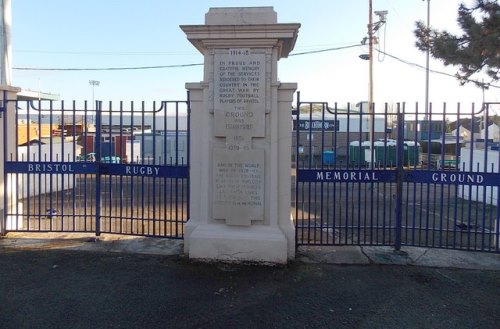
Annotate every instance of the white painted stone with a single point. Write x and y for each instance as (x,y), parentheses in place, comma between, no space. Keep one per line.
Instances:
(241,140)
(12,204)
(254,243)
(239,93)
(241,16)
(238,186)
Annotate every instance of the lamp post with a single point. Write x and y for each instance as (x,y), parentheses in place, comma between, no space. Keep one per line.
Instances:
(93,83)
(372,28)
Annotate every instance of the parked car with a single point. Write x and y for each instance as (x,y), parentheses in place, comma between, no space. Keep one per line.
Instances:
(90,157)
(111,159)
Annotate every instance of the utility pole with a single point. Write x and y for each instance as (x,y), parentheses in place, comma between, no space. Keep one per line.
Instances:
(427,55)
(485,114)
(372,27)
(371,111)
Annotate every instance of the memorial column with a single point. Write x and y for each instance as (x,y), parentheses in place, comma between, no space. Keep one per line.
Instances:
(240,139)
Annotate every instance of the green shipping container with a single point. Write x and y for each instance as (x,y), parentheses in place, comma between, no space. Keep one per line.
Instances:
(385,153)
(411,153)
(357,153)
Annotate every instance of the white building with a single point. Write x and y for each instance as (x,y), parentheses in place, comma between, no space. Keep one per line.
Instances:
(493,132)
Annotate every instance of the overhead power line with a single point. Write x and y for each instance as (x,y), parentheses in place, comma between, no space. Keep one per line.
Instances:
(105,68)
(159,66)
(433,71)
(323,50)
(199,64)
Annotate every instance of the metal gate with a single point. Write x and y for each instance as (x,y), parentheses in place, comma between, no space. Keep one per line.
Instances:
(399,177)
(105,168)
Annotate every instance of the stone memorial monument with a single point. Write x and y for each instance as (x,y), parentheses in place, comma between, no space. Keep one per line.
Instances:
(240,187)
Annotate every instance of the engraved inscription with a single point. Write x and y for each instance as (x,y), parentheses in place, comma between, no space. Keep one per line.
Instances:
(239,94)
(239,83)
(238,186)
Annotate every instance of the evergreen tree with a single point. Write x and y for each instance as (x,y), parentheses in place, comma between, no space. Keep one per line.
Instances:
(476,50)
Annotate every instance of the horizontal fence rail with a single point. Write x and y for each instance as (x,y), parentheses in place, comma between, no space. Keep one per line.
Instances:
(102,168)
(412,180)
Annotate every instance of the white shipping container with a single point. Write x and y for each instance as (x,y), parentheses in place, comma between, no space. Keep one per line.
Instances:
(35,184)
(477,193)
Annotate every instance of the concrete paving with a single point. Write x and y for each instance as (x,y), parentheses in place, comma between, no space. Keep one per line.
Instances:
(414,256)
(339,255)
(77,281)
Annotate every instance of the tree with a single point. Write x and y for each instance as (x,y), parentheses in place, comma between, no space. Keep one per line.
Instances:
(477,50)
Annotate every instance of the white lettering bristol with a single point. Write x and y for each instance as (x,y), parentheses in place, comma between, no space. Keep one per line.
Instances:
(50,168)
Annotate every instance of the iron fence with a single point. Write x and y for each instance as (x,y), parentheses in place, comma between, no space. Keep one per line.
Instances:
(411,179)
(102,168)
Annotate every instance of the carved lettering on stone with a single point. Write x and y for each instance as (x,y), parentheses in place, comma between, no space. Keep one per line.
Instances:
(239,93)
(238,186)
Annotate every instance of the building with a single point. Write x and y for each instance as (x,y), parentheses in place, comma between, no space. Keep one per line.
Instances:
(333,132)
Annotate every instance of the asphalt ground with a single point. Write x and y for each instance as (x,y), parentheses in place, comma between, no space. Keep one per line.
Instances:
(149,283)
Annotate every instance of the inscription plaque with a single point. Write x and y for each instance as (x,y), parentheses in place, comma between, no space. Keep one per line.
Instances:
(239,115)
(239,96)
(238,186)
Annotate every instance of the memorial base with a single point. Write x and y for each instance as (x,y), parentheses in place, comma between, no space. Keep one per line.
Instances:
(256,243)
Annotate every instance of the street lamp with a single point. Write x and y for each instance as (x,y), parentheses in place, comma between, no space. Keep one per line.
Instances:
(93,83)
(372,28)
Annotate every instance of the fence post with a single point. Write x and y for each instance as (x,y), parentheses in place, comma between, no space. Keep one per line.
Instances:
(8,190)
(297,167)
(97,144)
(399,177)
(3,159)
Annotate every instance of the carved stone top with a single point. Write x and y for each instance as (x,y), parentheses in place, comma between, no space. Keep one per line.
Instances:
(241,16)
(242,27)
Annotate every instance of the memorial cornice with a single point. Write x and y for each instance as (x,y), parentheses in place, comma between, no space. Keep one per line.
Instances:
(282,36)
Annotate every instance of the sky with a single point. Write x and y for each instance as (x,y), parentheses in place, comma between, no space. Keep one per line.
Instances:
(61,34)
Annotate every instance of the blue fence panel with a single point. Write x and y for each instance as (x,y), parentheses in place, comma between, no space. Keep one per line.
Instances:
(81,167)
(414,181)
